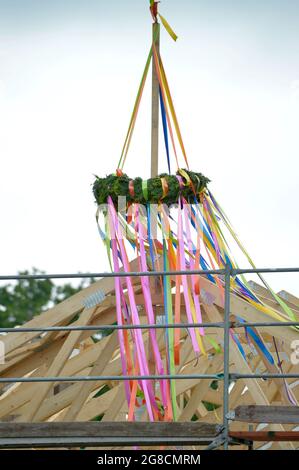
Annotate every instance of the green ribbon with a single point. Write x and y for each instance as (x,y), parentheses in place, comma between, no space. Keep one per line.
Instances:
(144,189)
(169,331)
(142,81)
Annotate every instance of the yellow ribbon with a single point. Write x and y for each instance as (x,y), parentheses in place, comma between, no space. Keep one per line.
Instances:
(155,13)
(167,27)
(185,175)
(172,110)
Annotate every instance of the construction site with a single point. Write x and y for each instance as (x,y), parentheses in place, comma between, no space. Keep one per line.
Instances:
(173,348)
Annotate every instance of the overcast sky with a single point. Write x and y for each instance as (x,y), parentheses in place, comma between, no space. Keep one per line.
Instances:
(69,72)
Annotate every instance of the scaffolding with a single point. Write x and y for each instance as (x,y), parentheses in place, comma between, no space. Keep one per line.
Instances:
(171,433)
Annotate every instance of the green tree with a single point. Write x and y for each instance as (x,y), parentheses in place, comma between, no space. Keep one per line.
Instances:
(23,299)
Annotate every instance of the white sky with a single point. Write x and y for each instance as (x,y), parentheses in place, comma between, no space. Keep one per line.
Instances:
(69,73)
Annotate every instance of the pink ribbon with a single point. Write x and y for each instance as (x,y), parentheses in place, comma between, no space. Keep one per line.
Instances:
(192,267)
(146,384)
(149,308)
(181,253)
(118,290)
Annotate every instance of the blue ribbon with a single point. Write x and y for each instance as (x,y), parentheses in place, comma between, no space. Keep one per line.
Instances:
(258,342)
(149,235)
(165,132)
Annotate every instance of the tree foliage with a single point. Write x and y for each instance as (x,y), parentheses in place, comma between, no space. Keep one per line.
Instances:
(21,300)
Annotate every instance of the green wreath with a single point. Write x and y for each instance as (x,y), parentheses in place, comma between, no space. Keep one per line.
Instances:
(164,188)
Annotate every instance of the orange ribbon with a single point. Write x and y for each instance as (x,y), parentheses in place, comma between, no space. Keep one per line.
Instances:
(165,187)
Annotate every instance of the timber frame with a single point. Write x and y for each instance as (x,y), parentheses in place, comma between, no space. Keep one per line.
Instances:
(47,377)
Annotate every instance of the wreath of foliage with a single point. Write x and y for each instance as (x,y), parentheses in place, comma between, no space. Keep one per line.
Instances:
(115,186)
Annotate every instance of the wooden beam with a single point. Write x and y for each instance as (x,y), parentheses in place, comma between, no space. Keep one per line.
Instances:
(97,369)
(154,154)
(101,434)
(267,414)
(118,403)
(243,309)
(199,391)
(286,296)
(155,107)
(62,312)
(266,297)
(266,436)
(37,358)
(241,366)
(58,402)
(23,393)
(56,367)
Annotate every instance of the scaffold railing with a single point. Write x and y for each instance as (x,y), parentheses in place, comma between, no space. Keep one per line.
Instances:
(226,324)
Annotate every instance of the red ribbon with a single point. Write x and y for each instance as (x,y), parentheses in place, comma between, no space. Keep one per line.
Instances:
(131,188)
